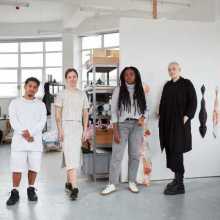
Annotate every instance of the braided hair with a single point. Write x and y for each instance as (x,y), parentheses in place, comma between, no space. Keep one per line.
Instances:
(124,101)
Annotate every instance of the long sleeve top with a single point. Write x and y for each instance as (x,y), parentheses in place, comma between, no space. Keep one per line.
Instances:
(27,115)
(117,116)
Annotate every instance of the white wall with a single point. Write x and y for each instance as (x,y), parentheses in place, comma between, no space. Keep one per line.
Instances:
(151,45)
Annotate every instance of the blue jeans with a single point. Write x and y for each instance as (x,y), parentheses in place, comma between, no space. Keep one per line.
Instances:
(131,133)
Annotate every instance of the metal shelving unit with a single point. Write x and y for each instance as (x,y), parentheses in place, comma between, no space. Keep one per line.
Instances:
(94,90)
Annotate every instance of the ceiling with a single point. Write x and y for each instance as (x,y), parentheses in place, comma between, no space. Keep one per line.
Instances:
(73,14)
(53,10)
(38,11)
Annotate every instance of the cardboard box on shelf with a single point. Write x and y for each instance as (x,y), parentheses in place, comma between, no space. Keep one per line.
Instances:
(103,60)
(112,53)
(98,53)
(104,136)
(103,56)
(104,53)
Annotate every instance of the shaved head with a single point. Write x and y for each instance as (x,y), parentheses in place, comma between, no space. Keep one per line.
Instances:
(174,64)
(174,70)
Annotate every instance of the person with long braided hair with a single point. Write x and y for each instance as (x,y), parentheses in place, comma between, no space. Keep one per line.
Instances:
(128,108)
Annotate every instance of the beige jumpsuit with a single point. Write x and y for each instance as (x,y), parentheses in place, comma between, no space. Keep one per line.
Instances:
(72,103)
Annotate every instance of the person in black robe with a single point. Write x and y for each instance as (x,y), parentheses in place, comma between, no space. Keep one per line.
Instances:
(177,108)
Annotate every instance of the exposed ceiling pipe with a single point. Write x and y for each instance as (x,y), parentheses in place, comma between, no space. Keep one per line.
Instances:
(14,3)
(107,10)
(117,12)
(167,2)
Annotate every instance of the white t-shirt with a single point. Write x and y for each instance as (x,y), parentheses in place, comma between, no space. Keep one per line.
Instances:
(72,103)
(27,115)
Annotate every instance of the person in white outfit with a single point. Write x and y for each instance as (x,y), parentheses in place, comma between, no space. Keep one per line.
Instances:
(27,117)
(72,120)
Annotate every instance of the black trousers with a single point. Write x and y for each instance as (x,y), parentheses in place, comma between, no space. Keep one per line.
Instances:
(175,162)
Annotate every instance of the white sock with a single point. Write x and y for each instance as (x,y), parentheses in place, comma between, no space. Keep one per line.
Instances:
(74,186)
(16,187)
(31,186)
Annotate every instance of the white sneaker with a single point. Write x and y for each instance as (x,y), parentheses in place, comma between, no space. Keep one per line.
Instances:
(110,188)
(133,187)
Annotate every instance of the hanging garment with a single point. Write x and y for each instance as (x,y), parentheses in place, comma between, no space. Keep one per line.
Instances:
(145,165)
(216,114)
(203,115)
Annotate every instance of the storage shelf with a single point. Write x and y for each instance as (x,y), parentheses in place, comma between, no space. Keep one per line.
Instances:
(98,117)
(102,68)
(98,163)
(103,146)
(99,89)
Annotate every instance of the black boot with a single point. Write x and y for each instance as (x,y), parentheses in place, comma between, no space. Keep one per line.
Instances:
(178,188)
(14,198)
(173,183)
(68,187)
(74,194)
(32,196)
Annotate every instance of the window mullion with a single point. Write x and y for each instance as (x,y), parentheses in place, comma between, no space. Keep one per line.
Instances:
(19,70)
(102,41)
(44,64)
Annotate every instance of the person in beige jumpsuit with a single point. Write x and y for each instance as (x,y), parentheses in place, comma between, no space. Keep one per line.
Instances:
(72,119)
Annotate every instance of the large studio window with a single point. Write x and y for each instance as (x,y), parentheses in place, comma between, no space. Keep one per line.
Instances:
(23,59)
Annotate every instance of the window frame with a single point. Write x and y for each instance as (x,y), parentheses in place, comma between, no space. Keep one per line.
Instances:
(102,47)
(19,68)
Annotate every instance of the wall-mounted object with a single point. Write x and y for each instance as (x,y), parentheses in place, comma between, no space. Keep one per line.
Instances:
(216,114)
(203,114)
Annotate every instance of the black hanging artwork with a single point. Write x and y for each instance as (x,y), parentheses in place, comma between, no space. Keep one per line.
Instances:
(203,115)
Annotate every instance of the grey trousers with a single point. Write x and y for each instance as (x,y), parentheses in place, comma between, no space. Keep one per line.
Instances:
(131,133)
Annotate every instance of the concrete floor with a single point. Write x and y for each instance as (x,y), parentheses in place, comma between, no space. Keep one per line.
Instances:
(201,202)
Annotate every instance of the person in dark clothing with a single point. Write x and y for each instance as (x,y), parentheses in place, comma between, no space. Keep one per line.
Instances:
(177,108)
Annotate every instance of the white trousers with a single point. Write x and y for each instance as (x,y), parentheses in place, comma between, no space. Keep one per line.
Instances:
(22,161)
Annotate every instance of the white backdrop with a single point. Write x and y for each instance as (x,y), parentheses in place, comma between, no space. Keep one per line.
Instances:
(150,46)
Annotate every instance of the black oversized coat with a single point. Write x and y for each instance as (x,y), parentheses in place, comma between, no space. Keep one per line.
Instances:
(178,100)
